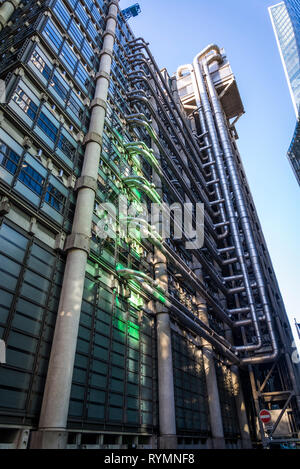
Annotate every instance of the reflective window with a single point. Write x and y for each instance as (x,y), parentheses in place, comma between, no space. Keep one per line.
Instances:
(8,158)
(47,126)
(62,13)
(69,57)
(25,103)
(53,35)
(76,34)
(66,147)
(58,86)
(40,64)
(31,178)
(55,198)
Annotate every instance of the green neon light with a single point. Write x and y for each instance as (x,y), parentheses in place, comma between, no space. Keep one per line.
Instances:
(137,193)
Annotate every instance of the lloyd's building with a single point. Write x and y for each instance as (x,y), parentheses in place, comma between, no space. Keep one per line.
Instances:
(129,341)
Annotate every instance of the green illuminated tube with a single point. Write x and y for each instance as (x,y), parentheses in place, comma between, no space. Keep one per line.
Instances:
(144,185)
(141,222)
(134,148)
(146,124)
(196,325)
(129,273)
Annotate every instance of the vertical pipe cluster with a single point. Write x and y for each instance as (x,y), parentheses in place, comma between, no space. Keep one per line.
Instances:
(243,213)
(55,405)
(218,154)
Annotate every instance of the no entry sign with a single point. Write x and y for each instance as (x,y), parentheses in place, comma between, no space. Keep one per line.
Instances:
(265,416)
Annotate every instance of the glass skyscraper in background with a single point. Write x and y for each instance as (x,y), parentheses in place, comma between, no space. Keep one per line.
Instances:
(285,18)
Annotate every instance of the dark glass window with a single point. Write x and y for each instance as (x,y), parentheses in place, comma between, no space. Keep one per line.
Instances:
(8,158)
(31,178)
(82,75)
(82,14)
(55,198)
(41,65)
(66,147)
(69,57)
(75,107)
(60,89)
(87,52)
(25,103)
(47,126)
(76,34)
(71,211)
(52,33)
(62,13)
(92,31)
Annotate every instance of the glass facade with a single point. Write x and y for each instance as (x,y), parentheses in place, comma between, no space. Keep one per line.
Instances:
(286,23)
(285,18)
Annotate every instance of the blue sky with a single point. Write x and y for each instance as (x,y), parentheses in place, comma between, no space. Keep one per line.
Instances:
(177,31)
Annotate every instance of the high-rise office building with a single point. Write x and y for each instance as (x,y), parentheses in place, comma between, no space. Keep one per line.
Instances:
(285,17)
(116,337)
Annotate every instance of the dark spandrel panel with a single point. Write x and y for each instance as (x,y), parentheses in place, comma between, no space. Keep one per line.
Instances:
(12,243)
(98,380)
(13,399)
(19,359)
(26,324)
(14,379)
(95,412)
(22,342)
(76,408)
(30,309)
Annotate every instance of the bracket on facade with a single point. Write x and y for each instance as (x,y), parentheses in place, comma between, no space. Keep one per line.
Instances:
(2,352)
(87,182)
(78,241)
(5,206)
(221,95)
(93,137)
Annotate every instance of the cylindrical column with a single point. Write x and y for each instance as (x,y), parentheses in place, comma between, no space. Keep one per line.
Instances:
(6,10)
(55,406)
(214,405)
(166,399)
(241,408)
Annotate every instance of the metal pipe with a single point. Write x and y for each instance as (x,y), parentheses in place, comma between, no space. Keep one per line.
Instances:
(188,319)
(241,205)
(198,254)
(218,157)
(204,196)
(142,122)
(188,273)
(211,159)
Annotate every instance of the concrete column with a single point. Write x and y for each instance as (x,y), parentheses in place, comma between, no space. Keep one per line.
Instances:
(55,406)
(166,399)
(241,408)
(214,405)
(6,10)
(239,401)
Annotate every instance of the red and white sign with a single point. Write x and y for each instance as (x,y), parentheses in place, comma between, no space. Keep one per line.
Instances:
(265,416)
